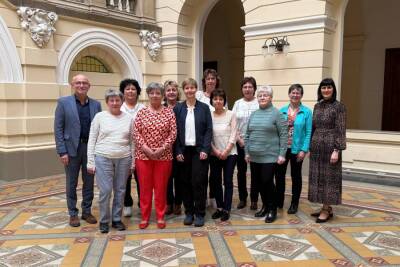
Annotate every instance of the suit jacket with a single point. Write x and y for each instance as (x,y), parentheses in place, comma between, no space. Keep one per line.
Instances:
(203,127)
(67,127)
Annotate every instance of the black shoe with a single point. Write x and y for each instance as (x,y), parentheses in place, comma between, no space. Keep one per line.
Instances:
(293,208)
(253,205)
(199,221)
(118,225)
(261,213)
(225,216)
(241,205)
(271,216)
(217,214)
(104,228)
(188,219)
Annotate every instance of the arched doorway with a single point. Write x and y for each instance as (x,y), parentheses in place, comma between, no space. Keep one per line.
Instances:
(101,65)
(223,45)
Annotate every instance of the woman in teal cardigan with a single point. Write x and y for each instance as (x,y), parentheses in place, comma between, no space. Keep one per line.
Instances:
(265,147)
(299,119)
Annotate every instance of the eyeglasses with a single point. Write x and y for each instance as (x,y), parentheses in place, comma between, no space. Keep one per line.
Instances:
(81,83)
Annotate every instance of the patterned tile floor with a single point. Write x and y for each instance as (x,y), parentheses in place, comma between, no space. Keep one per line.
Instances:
(365,231)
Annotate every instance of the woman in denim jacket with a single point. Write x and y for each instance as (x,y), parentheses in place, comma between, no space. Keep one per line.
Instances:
(299,119)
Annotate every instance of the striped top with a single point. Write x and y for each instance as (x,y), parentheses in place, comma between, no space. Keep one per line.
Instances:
(266,136)
(110,136)
(224,131)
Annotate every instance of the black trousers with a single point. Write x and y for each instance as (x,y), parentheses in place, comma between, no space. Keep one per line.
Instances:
(295,172)
(263,175)
(193,179)
(174,192)
(221,173)
(128,201)
(241,165)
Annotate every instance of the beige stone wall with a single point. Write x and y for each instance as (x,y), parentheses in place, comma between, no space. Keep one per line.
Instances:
(27,109)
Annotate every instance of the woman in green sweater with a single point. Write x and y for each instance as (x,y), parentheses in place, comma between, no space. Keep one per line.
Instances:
(265,146)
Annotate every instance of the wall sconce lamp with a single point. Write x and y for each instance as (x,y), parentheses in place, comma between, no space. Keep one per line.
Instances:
(276,45)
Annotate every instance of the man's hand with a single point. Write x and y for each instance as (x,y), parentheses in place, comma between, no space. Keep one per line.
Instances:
(64,159)
(91,170)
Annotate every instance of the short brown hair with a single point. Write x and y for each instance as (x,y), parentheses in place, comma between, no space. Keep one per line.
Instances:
(189,81)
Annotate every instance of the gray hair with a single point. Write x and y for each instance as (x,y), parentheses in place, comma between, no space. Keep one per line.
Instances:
(265,89)
(112,92)
(155,86)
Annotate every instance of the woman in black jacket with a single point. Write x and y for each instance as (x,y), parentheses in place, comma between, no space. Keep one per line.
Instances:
(192,147)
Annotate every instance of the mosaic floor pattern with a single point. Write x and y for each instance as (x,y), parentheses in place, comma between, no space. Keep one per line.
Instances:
(365,231)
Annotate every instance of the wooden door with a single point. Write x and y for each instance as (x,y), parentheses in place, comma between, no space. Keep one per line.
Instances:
(391,91)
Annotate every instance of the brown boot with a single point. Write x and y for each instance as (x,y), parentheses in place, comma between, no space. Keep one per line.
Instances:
(89,218)
(74,221)
(177,210)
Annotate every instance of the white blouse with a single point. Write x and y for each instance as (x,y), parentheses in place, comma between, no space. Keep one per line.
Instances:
(243,109)
(190,131)
(224,131)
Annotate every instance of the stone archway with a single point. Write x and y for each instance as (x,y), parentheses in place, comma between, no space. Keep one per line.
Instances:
(108,41)
(10,64)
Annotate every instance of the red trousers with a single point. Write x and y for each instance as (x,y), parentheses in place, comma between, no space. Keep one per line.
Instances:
(153,175)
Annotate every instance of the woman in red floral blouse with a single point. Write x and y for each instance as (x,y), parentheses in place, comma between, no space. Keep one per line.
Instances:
(154,133)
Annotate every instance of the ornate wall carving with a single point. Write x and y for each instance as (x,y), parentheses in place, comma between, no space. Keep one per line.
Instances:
(39,23)
(152,42)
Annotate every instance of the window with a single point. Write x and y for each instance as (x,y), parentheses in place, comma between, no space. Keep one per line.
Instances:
(90,64)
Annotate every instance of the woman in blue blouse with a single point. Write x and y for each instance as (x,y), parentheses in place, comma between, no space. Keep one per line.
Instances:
(299,120)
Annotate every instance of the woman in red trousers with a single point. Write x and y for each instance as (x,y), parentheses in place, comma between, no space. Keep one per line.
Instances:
(154,133)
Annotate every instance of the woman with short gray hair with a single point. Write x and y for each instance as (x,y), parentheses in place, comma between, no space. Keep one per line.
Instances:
(154,134)
(109,155)
(265,146)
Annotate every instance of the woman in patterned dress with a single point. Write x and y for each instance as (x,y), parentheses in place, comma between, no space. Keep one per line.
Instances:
(154,133)
(327,142)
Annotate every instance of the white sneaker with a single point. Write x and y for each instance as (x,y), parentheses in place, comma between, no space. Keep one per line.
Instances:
(127,211)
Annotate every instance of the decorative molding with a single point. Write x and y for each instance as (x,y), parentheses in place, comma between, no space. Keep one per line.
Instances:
(177,40)
(291,25)
(152,42)
(95,11)
(39,23)
(101,38)
(10,63)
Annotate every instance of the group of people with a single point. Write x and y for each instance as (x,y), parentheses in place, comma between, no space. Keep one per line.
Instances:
(178,150)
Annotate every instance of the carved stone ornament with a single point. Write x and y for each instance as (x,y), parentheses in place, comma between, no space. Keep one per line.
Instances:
(39,23)
(152,42)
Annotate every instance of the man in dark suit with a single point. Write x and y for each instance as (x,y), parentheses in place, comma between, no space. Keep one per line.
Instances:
(72,121)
